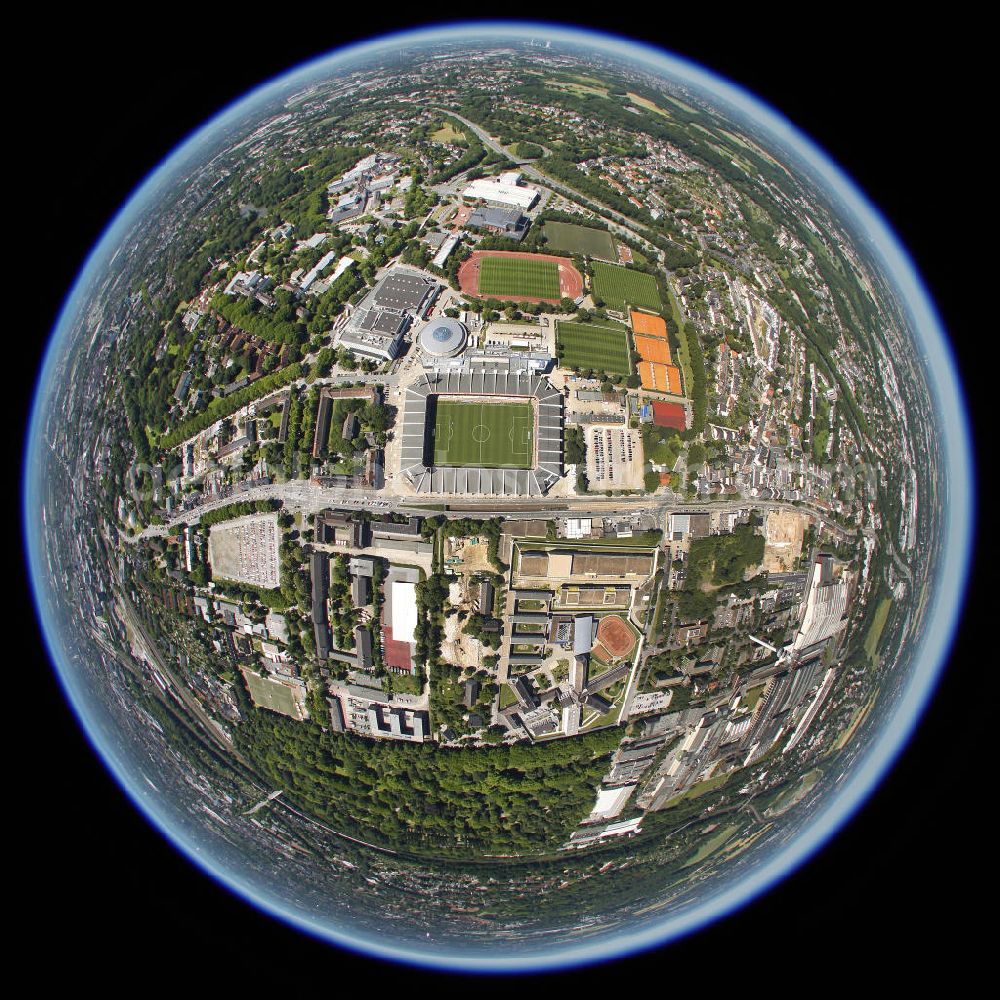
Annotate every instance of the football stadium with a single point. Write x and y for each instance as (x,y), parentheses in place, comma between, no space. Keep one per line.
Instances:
(478,432)
(490,434)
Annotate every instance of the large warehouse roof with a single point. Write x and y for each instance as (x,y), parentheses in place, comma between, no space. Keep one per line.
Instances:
(610,802)
(377,326)
(509,220)
(564,564)
(404,610)
(503,193)
(405,291)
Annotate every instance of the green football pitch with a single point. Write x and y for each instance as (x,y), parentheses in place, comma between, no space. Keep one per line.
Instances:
(491,435)
(568,238)
(585,346)
(514,277)
(269,693)
(619,286)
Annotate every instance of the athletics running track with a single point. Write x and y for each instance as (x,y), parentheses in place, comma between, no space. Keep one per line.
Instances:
(570,279)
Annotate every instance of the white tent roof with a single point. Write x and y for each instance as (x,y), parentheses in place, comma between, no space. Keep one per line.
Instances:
(404,610)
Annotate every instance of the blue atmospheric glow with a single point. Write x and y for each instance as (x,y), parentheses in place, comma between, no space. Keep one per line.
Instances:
(945,602)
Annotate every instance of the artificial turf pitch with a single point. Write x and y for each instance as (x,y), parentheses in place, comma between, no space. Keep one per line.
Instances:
(488,435)
(586,346)
(513,277)
(621,286)
(566,237)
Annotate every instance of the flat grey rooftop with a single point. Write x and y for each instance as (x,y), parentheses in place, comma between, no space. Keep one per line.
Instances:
(403,291)
(379,321)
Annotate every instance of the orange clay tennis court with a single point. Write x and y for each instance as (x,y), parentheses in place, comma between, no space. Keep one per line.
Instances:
(649,325)
(653,349)
(660,378)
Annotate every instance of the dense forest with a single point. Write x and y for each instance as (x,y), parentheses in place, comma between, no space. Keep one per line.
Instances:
(723,559)
(427,799)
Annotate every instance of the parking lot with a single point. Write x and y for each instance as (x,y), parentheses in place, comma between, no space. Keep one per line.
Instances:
(614,458)
(245,550)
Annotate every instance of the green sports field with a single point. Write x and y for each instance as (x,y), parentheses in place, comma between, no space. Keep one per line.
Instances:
(269,693)
(583,346)
(518,277)
(566,237)
(491,435)
(619,285)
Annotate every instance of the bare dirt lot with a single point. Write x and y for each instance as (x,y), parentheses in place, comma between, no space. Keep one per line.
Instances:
(458,648)
(477,557)
(783,540)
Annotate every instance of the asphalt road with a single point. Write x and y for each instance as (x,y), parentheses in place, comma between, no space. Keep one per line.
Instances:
(305,496)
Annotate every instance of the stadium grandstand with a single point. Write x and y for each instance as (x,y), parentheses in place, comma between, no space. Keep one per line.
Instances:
(543,459)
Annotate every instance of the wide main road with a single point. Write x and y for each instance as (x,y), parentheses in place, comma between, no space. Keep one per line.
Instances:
(310,498)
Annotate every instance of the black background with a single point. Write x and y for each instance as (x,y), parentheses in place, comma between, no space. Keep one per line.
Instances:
(103,100)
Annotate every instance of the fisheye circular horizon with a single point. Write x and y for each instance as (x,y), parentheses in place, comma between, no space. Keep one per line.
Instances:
(508,465)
